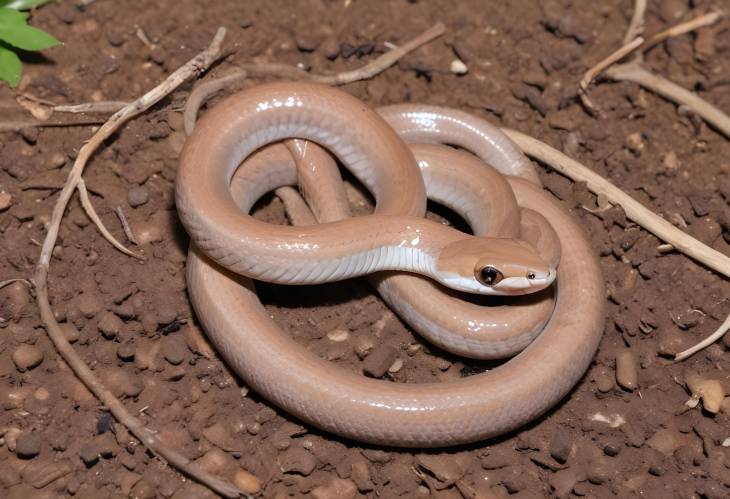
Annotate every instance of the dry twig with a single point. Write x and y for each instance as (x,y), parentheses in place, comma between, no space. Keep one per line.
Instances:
(90,107)
(205,89)
(91,212)
(634,72)
(596,70)
(724,328)
(125,225)
(148,437)
(682,28)
(7,282)
(634,211)
(636,26)
(18,125)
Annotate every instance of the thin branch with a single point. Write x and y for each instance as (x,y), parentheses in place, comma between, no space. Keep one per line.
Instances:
(204,90)
(149,438)
(125,225)
(596,70)
(619,54)
(7,282)
(636,26)
(91,212)
(18,125)
(384,61)
(634,72)
(680,29)
(634,210)
(90,107)
(724,328)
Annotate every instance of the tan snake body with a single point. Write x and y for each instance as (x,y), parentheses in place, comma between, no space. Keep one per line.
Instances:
(422,415)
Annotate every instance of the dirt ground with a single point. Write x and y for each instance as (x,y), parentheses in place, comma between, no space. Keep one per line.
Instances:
(133,323)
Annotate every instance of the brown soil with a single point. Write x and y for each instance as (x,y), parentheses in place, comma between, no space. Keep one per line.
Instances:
(134,325)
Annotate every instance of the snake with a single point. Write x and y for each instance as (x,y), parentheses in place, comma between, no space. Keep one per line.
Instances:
(229,248)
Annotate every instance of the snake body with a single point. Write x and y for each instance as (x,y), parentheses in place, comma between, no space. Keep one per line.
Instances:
(421,415)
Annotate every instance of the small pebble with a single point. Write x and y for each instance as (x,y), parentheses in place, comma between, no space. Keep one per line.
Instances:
(69,332)
(215,461)
(247,482)
(28,445)
(605,382)
(307,43)
(561,445)
(380,359)
(337,488)
(330,48)
(6,200)
(42,394)
(27,357)
(110,325)
(89,454)
(396,366)
(458,67)
(710,391)
(137,196)
(114,37)
(147,232)
(627,369)
(665,441)
(363,346)
(635,143)
(174,373)
(174,349)
(376,456)
(126,351)
(88,304)
(57,160)
(338,335)
(297,460)
(121,383)
(18,298)
(166,313)
(611,450)
(360,474)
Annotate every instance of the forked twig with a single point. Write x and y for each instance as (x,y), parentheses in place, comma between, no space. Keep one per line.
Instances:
(148,437)
(636,26)
(91,212)
(635,72)
(596,70)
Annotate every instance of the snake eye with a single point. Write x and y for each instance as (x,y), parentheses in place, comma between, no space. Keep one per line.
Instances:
(489,276)
(531,275)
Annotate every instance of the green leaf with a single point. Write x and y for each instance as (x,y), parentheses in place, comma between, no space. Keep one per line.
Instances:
(11,16)
(14,31)
(10,66)
(23,4)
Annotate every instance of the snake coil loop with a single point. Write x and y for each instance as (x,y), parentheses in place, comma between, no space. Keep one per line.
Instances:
(520,236)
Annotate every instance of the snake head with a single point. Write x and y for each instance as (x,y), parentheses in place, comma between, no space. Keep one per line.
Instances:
(493,266)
